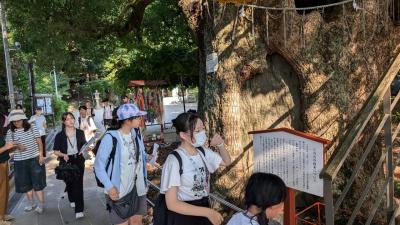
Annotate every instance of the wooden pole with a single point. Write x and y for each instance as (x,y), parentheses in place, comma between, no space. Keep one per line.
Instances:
(290,208)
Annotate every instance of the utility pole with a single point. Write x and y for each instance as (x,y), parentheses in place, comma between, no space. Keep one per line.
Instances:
(183,95)
(54,73)
(7,60)
(32,85)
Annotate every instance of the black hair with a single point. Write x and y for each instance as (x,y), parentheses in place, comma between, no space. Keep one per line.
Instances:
(117,124)
(64,117)
(38,108)
(124,96)
(2,122)
(192,111)
(25,125)
(264,190)
(82,107)
(185,122)
(18,106)
(105,100)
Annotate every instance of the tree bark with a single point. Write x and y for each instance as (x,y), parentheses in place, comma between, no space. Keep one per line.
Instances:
(273,76)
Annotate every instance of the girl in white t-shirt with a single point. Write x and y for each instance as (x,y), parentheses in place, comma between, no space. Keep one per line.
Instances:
(264,198)
(186,194)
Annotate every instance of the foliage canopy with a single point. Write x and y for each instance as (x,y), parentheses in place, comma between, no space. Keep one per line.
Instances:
(114,41)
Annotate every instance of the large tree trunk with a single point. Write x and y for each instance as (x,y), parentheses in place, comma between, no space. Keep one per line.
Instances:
(272,76)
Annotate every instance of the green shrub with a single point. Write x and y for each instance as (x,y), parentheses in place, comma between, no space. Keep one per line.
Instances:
(60,106)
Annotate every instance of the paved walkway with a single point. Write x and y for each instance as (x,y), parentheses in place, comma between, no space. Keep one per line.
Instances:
(57,210)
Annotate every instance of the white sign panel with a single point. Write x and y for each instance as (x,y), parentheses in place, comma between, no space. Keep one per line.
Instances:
(212,63)
(297,160)
(46,105)
(49,107)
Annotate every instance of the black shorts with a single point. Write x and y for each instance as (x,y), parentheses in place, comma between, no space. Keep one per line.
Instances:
(29,174)
(179,219)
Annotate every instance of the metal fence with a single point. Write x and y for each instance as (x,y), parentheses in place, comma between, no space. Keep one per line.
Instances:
(380,99)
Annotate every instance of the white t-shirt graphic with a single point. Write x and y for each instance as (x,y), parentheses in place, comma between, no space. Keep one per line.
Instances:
(193,184)
(128,164)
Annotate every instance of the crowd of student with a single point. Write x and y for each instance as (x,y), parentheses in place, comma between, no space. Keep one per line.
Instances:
(120,166)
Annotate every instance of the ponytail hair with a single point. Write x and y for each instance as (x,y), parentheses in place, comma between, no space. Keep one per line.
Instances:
(264,190)
(185,122)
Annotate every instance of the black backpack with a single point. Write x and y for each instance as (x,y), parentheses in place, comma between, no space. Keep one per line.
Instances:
(160,209)
(112,154)
(110,158)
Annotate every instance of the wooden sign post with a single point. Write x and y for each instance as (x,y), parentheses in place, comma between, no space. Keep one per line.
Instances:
(296,157)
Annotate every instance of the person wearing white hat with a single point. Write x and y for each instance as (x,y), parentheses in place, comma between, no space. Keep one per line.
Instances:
(125,179)
(29,168)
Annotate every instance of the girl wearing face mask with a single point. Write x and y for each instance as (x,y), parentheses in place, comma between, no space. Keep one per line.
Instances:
(186,194)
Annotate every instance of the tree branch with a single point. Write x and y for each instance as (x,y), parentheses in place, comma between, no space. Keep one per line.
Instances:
(121,27)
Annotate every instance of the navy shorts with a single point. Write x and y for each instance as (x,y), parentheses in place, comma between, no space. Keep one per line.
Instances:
(29,174)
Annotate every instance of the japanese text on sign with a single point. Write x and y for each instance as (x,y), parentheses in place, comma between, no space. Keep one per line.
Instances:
(297,160)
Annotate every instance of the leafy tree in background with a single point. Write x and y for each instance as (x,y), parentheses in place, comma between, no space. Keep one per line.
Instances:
(99,42)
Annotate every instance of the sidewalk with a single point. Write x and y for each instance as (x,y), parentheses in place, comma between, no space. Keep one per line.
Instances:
(57,210)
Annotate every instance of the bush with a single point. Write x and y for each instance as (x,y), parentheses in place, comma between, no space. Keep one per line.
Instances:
(60,106)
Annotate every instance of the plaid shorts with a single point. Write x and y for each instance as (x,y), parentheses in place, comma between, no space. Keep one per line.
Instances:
(29,174)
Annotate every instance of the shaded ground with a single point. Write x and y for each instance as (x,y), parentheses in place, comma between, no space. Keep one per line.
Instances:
(57,210)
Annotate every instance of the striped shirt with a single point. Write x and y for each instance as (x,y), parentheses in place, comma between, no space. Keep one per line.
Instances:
(28,139)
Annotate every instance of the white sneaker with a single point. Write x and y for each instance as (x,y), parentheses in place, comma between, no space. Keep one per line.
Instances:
(39,210)
(29,207)
(79,215)
(8,217)
(72,204)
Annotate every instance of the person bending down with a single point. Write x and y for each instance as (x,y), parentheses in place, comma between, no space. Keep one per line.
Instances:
(265,195)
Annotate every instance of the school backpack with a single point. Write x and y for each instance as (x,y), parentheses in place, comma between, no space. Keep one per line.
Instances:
(160,209)
(112,155)
(110,158)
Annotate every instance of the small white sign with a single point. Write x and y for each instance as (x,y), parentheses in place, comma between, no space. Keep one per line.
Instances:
(49,106)
(212,62)
(296,160)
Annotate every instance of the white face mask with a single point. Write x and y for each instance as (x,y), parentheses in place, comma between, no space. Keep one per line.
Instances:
(200,139)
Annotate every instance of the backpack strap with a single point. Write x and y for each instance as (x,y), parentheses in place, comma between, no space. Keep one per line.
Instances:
(201,149)
(137,148)
(179,158)
(88,120)
(112,154)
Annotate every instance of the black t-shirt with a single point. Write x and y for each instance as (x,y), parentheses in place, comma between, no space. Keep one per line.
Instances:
(4,156)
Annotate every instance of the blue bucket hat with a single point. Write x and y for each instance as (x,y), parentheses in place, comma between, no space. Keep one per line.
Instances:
(127,111)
